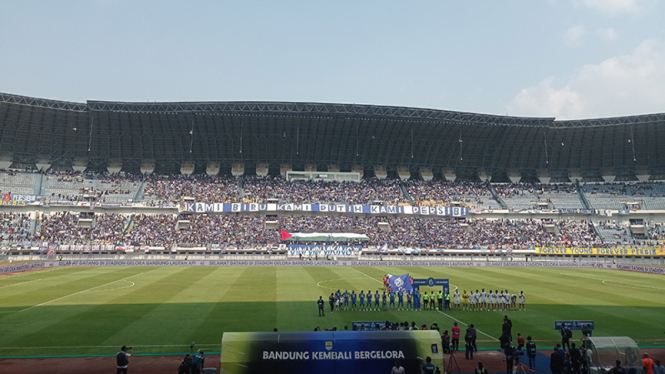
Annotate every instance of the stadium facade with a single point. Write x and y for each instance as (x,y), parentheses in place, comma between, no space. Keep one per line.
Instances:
(245,137)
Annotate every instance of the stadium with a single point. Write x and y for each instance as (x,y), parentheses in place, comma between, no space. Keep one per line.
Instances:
(164,225)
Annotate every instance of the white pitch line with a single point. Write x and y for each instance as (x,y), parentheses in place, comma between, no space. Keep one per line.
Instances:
(370,277)
(116,289)
(332,280)
(29,272)
(16,284)
(611,282)
(75,293)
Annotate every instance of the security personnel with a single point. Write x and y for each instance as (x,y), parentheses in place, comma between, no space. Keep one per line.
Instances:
(320,303)
(439,297)
(447,306)
(432,300)
(426,299)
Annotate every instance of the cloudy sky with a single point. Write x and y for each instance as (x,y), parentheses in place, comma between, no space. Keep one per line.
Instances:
(556,58)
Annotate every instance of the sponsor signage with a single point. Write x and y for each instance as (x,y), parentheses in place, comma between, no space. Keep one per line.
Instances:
(347,352)
(602,251)
(573,325)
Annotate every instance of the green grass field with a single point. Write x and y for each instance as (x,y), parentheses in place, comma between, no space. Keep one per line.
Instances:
(94,310)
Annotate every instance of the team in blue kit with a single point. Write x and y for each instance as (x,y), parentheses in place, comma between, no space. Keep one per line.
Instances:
(385,301)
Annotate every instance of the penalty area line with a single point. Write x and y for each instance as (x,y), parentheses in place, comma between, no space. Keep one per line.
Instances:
(75,293)
(28,272)
(16,284)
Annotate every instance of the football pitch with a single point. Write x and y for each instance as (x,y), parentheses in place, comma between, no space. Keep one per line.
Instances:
(95,310)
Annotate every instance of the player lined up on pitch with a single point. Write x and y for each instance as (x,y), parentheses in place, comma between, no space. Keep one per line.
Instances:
(490,301)
(413,300)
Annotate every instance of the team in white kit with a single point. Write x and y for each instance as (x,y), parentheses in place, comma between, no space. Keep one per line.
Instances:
(490,301)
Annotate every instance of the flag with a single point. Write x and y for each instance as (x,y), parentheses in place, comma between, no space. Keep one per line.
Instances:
(617,236)
(400,283)
(285,235)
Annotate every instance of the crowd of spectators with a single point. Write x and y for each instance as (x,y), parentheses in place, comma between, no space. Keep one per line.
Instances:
(656,232)
(444,193)
(152,230)
(648,189)
(479,233)
(201,187)
(555,188)
(514,189)
(613,189)
(64,228)
(247,231)
(227,230)
(14,227)
(91,187)
(167,190)
(260,189)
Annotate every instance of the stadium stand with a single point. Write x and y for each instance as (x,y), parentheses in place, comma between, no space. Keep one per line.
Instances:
(260,189)
(198,187)
(651,194)
(145,157)
(18,182)
(606,195)
(559,195)
(15,227)
(245,231)
(518,196)
(102,188)
(64,228)
(611,232)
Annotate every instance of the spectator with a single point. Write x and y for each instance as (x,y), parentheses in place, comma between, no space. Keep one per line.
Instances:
(556,362)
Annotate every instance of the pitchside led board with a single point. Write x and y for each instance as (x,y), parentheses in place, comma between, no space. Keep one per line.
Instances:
(338,352)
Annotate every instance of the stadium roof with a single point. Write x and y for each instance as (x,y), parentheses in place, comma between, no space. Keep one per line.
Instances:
(322,134)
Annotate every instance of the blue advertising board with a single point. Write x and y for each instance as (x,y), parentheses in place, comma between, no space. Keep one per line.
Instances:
(431,282)
(329,352)
(573,325)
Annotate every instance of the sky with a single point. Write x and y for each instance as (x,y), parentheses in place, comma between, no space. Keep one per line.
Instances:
(568,59)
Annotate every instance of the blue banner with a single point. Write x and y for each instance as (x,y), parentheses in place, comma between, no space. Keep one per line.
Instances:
(400,283)
(329,352)
(323,250)
(573,325)
(431,282)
